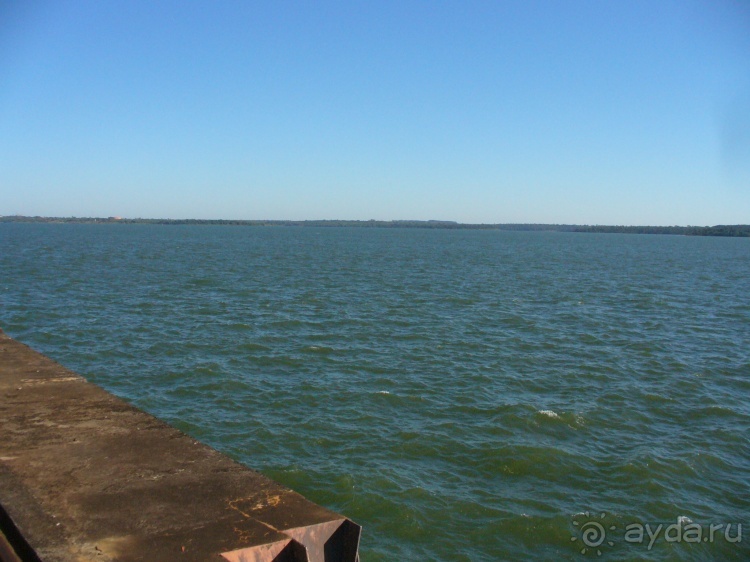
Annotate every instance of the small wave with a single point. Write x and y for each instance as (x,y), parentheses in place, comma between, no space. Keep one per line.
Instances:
(202,282)
(383,392)
(285,324)
(252,346)
(570,419)
(318,349)
(240,326)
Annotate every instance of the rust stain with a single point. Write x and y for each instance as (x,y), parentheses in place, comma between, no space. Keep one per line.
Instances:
(243,535)
(254,503)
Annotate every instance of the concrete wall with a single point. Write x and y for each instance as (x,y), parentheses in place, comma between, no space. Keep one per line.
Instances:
(85,476)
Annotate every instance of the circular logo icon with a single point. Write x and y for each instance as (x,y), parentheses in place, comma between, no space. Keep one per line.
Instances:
(592,532)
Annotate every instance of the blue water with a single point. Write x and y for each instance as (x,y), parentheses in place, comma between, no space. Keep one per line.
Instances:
(464,395)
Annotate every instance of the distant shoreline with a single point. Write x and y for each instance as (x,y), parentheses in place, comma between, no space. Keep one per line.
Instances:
(735,230)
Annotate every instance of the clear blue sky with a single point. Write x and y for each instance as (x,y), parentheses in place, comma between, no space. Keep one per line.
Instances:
(599,112)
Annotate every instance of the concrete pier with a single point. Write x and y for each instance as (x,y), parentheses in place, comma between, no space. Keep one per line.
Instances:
(85,476)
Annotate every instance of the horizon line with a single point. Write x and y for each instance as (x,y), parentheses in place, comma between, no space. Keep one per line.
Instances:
(258,222)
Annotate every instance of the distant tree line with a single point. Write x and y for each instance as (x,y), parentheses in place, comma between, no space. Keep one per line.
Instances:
(719,230)
(737,230)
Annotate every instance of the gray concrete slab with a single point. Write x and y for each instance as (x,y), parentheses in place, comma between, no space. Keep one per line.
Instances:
(86,476)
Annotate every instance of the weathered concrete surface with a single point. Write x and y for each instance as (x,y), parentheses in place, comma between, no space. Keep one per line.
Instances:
(85,476)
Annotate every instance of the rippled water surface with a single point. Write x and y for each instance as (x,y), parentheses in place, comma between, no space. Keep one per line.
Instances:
(464,395)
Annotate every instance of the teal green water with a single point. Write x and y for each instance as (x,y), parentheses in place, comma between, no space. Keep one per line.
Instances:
(463,395)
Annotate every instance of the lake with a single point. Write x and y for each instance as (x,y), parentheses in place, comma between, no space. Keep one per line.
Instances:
(463,395)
